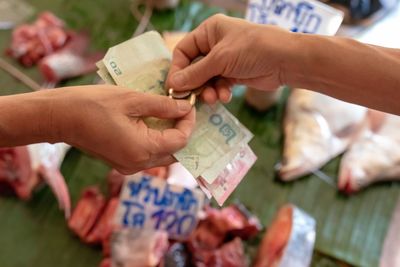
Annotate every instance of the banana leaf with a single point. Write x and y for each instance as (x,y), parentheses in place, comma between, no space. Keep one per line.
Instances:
(34,233)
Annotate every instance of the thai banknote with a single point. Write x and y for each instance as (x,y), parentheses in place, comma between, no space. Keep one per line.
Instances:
(233,173)
(216,134)
(142,64)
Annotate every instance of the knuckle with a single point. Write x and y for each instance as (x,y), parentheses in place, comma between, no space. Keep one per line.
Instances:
(166,105)
(124,171)
(181,141)
(218,17)
(155,144)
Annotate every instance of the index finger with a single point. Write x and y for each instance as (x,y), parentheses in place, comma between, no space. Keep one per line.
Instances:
(194,44)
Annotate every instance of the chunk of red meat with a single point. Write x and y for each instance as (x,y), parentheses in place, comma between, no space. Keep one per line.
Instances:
(106,262)
(115,181)
(105,225)
(229,255)
(243,223)
(218,227)
(16,172)
(70,61)
(87,212)
(32,42)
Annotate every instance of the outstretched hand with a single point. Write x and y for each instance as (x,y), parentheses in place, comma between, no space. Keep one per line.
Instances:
(235,51)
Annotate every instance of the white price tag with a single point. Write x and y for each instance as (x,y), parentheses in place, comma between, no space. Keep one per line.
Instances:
(306,16)
(151,203)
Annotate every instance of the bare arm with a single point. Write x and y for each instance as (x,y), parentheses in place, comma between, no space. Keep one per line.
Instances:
(105,121)
(265,57)
(24,119)
(346,69)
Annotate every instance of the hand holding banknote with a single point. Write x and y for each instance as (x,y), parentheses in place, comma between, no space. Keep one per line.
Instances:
(235,51)
(217,154)
(106,121)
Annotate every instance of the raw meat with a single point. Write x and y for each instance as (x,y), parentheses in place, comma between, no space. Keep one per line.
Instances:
(87,212)
(105,225)
(16,173)
(70,61)
(23,168)
(30,43)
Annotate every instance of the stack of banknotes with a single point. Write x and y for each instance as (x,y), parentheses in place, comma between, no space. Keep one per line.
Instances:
(217,154)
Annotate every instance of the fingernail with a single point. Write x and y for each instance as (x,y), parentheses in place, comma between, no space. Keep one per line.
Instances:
(179,80)
(184,105)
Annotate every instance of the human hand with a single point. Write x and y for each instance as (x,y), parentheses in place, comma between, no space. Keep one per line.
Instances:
(106,121)
(235,51)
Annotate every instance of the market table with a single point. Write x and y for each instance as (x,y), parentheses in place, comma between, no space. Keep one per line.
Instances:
(34,233)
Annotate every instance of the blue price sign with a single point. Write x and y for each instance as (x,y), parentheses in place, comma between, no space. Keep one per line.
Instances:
(152,203)
(307,16)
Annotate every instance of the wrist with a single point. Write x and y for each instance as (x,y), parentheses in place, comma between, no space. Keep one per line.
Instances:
(294,70)
(60,122)
(24,119)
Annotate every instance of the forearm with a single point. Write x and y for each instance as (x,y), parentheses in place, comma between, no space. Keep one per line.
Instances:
(26,119)
(347,69)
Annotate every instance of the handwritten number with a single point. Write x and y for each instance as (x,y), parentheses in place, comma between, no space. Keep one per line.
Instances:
(159,218)
(188,228)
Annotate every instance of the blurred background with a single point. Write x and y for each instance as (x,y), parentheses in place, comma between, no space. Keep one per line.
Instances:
(353,228)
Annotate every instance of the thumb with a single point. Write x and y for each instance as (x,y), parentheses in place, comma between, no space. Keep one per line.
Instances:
(194,75)
(160,107)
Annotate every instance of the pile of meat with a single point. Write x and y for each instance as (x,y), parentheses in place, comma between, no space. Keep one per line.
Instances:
(24,168)
(60,53)
(217,240)
(30,43)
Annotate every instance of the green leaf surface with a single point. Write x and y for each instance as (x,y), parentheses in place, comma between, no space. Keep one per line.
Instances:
(34,233)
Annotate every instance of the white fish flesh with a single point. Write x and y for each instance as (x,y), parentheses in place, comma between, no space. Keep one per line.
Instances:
(374,156)
(317,128)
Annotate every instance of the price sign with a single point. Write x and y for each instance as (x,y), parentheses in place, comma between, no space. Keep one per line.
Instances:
(147,202)
(306,16)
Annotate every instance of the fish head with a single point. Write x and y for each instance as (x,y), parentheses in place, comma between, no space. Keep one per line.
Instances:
(309,144)
(373,158)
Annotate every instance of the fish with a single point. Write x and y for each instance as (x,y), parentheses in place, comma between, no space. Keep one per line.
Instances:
(275,239)
(289,240)
(317,128)
(374,156)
